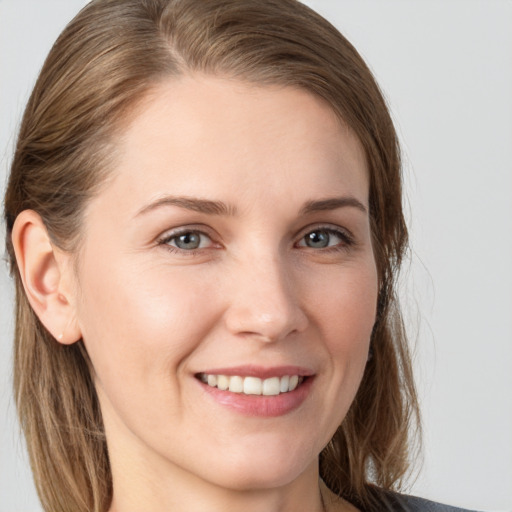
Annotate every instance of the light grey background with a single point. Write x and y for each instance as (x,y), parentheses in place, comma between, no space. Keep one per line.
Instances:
(446,68)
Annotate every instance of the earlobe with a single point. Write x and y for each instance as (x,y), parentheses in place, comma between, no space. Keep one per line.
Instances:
(45,274)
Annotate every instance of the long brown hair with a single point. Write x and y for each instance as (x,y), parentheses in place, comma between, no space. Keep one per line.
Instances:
(105,61)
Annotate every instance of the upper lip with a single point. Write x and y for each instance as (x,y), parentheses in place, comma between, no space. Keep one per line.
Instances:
(261,372)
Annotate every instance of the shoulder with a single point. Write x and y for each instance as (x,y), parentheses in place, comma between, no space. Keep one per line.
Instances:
(383,500)
(404,503)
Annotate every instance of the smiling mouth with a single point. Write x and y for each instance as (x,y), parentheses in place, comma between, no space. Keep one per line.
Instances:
(252,385)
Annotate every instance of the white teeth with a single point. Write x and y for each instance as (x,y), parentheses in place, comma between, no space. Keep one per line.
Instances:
(252,385)
(271,386)
(284,385)
(222,382)
(236,384)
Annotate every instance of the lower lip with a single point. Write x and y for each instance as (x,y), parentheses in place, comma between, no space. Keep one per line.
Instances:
(261,405)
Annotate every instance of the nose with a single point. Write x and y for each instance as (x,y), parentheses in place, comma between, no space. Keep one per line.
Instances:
(264,301)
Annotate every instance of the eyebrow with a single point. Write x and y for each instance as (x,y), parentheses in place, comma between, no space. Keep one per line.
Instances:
(332,203)
(210,207)
(191,203)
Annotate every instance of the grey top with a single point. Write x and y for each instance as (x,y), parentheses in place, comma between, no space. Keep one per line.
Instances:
(394,502)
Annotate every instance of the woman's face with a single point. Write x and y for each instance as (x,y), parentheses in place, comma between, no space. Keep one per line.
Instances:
(232,245)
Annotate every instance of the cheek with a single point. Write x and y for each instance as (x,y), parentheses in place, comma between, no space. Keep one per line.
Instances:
(138,323)
(345,309)
(345,315)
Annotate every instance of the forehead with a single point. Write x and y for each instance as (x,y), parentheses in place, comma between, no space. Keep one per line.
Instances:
(211,136)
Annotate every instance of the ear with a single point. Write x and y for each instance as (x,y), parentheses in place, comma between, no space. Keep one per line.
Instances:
(46,273)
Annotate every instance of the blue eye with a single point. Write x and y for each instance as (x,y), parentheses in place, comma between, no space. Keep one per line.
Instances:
(187,240)
(324,238)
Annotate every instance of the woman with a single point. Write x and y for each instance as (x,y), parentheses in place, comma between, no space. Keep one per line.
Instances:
(204,225)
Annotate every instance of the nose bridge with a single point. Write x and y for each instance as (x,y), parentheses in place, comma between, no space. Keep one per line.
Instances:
(265,301)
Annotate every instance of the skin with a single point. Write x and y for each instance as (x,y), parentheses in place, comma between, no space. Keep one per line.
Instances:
(153,315)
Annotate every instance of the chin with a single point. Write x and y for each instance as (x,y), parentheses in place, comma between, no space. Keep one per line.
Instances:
(258,478)
(264,469)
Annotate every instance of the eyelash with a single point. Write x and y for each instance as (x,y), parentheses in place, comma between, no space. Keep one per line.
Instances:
(167,238)
(346,238)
